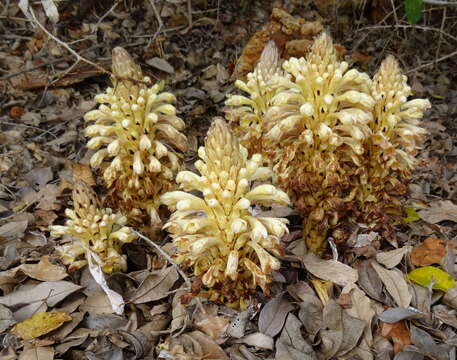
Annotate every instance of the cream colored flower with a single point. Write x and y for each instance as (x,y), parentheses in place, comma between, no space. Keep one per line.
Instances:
(217,234)
(93,228)
(396,120)
(314,134)
(247,111)
(343,145)
(396,137)
(137,135)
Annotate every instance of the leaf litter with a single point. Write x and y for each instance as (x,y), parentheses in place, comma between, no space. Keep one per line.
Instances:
(375,298)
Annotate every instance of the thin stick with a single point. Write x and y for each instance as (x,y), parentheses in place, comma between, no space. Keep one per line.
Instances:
(107,13)
(440,2)
(438,48)
(166,256)
(159,20)
(28,127)
(395,12)
(433,62)
(178,269)
(424,28)
(65,45)
(189,17)
(46,64)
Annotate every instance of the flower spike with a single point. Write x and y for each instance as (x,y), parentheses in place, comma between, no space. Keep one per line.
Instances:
(93,229)
(218,234)
(138,139)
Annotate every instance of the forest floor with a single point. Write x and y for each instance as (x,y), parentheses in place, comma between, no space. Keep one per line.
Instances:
(53,63)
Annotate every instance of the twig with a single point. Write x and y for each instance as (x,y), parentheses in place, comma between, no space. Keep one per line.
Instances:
(56,61)
(189,17)
(440,2)
(27,126)
(65,45)
(433,62)
(166,256)
(395,12)
(159,20)
(178,269)
(14,18)
(438,48)
(107,13)
(424,28)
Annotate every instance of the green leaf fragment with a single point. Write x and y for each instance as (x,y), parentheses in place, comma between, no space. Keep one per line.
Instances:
(413,9)
(411,215)
(425,275)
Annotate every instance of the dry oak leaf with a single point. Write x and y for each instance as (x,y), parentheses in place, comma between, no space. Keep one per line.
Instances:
(431,251)
(39,324)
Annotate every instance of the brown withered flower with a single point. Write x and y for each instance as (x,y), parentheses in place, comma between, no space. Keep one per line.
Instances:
(343,146)
(95,229)
(315,131)
(392,147)
(220,234)
(137,135)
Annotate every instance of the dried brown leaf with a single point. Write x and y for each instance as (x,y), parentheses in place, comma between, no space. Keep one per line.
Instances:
(291,345)
(50,292)
(370,281)
(44,270)
(13,229)
(211,324)
(395,284)
(37,353)
(341,332)
(179,312)
(156,286)
(392,258)
(273,315)
(39,177)
(331,270)
(196,345)
(257,340)
(84,173)
(97,303)
(6,318)
(399,334)
(439,211)
(429,252)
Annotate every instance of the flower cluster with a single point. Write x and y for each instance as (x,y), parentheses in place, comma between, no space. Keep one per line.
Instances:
(93,229)
(137,135)
(335,137)
(220,234)
(247,112)
(396,136)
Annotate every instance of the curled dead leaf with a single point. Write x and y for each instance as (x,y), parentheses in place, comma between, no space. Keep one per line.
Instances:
(429,252)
